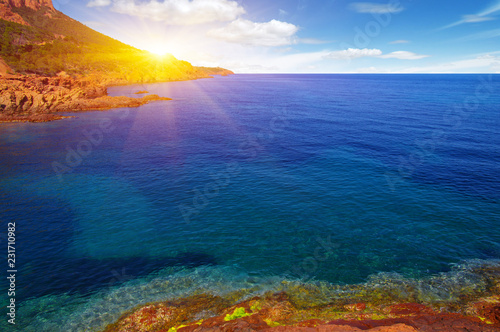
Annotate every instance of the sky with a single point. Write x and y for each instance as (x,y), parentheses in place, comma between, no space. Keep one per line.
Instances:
(306,36)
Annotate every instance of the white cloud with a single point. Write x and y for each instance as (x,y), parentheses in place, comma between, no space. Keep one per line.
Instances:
(176,12)
(490,10)
(353,53)
(272,33)
(484,63)
(401,41)
(481,35)
(495,67)
(369,70)
(313,41)
(475,18)
(278,63)
(376,8)
(403,55)
(283,50)
(99,3)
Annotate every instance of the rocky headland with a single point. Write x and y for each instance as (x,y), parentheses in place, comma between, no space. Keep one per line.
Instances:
(51,63)
(40,99)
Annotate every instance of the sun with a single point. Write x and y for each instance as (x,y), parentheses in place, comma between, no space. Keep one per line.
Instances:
(158,49)
(161,48)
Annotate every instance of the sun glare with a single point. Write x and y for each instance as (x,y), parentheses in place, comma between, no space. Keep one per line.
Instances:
(158,49)
(161,45)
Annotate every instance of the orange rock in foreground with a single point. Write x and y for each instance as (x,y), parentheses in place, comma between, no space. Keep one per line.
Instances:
(277,313)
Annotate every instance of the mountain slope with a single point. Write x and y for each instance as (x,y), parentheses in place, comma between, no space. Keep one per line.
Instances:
(52,63)
(7,6)
(37,39)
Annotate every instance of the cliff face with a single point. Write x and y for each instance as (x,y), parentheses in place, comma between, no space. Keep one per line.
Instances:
(33,4)
(7,14)
(4,68)
(37,99)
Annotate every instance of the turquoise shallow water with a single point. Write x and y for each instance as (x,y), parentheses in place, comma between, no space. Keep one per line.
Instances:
(243,181)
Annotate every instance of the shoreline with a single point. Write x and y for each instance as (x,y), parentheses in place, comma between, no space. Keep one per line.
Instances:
(389,305)
(201,300)
(277,312)
(41,98)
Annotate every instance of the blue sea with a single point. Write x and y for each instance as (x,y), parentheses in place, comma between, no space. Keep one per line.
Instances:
(253,183)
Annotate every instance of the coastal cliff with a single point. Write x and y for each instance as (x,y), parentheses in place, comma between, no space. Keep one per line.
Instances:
(39,99)
(33,4)
(7,13)
(51,63)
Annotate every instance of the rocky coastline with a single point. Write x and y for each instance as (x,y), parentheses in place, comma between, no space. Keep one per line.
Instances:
(51,63)
(40,99)
(279,312)
(25,98)
(464,300)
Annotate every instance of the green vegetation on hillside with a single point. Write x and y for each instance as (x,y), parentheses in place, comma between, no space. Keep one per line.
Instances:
(54,43)
(56,23)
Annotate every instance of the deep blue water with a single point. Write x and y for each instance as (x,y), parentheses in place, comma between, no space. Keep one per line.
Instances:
(312,177)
